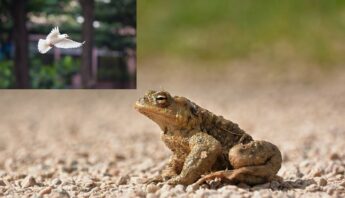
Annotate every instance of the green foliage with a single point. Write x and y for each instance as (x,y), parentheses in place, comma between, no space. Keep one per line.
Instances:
(6,74)
(227,29)
(56,76)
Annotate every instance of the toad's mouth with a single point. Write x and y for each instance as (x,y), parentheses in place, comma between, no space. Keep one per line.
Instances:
(157,114)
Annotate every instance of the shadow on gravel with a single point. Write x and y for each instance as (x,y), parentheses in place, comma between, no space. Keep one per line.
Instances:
(299,183)
(274,185)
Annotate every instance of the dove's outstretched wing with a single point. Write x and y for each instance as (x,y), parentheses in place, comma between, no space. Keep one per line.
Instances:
(67,43)
(54,33)
(43,46)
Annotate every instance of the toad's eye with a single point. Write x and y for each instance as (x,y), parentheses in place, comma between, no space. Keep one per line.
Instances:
(161,98)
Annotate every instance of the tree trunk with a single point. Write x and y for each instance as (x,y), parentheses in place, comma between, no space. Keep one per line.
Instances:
(20,35)
(86,62)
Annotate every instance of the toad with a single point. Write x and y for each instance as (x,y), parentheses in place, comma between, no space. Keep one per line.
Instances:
(206,146)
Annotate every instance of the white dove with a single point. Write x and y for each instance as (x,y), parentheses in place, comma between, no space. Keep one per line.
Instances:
(56,39)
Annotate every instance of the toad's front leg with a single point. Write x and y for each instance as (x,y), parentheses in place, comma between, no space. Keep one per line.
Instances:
(204,151)
(171,170)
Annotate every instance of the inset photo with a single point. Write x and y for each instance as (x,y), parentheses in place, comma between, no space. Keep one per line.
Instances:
(68,44)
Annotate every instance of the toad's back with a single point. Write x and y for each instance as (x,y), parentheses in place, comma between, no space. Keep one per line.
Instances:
(225,131)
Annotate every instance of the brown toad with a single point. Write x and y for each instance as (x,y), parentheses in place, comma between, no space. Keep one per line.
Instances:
(202,142)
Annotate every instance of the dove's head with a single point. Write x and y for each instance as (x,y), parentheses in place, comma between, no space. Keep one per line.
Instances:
(65,35)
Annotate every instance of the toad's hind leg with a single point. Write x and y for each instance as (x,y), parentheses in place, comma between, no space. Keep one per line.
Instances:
(254,163)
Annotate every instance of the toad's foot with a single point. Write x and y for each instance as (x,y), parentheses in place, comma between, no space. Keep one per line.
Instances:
(176,180)
(245,175)
(225,174)
(154,180)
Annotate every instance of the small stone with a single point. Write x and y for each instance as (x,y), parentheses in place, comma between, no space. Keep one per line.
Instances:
(138,180)
(56,181)
(113,171)
(334,156)
(192,188)
(2,183)
(275,185)
(165,187)
(68,169)
(71,188)
(339,176)
(312,188)
(60,193)
(151,188)
(122,180)
(139,193)
(342,184)
(321,181)
(330,191)
(90,184)
(316,172)
(28,182)
(95,189)
(338,169)
(151,195)
(179,188)
(45,191)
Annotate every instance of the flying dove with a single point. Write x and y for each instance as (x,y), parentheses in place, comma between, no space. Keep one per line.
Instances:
(56,39)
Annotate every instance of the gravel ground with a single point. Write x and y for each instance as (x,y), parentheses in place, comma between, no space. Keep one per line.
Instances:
(94,144)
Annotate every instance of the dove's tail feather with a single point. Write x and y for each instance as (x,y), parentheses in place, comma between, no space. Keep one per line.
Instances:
(43,46)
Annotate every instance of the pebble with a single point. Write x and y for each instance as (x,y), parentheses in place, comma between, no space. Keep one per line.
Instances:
(2,183)
(45,191)
(56,181)
(151,195)
(71,188)
(139,193)
(275,185)
(192,188)
(165,187)
(19,176)
(342,184)
(138,180)
(330,191)
(151,188)
(122,180)
(339,176)
(28,182)
(316,172)
(89,184)
(321,181)
(312,188)
(179,188)
(334,156)
(59,193)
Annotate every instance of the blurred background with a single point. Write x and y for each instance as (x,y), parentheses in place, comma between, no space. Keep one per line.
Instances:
(106,60)
(279,37)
